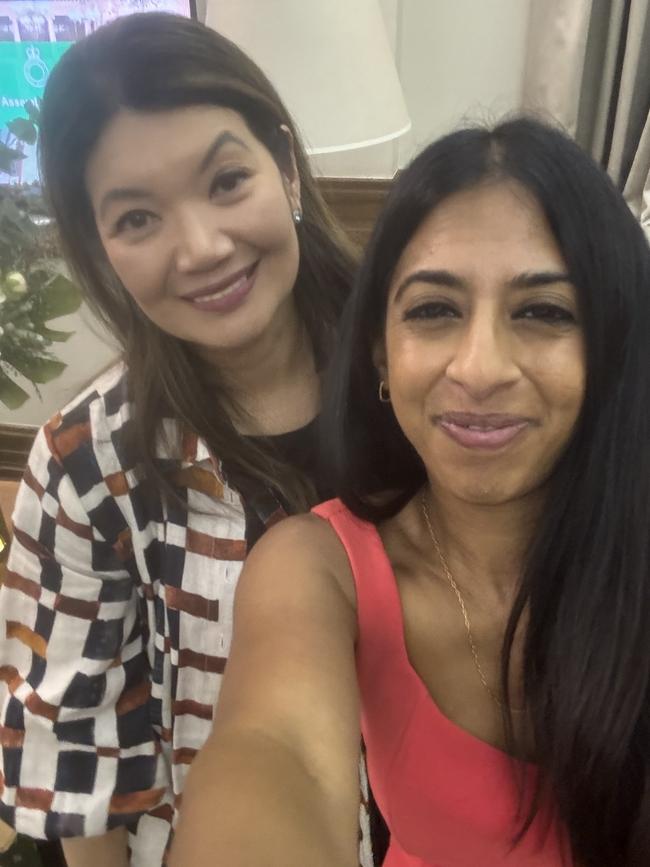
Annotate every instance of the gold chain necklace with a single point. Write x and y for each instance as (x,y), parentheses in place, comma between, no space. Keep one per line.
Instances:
(450,579)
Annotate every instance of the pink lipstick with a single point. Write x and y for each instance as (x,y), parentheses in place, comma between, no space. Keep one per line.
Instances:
(489,431)
(227,294)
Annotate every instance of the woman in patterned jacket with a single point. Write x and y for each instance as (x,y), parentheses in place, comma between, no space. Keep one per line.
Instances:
(188,213)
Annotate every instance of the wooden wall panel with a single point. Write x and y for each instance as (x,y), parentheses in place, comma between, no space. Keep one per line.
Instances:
(356,202)
(15,443)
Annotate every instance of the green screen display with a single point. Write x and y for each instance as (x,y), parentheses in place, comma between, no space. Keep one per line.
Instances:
(24,68)
(34,34)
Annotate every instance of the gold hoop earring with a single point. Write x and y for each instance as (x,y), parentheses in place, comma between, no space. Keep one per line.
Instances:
(384,393)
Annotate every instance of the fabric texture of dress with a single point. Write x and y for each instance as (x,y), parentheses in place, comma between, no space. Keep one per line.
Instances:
(115,627)
(449,799)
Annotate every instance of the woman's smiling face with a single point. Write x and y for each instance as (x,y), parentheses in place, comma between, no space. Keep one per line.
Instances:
(195,217)
(483,351)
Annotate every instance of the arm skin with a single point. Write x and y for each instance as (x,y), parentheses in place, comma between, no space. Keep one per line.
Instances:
(109,850)
(277,783)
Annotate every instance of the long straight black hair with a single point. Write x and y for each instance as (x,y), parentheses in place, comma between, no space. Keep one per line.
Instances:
(585,584)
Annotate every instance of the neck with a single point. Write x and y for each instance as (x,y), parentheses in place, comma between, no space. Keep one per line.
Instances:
(484,545)
(272,382)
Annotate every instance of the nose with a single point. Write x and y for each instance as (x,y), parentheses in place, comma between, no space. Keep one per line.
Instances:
(483,360)
(202,242)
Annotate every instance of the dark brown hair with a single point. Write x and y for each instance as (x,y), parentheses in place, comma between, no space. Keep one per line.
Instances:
(154,62)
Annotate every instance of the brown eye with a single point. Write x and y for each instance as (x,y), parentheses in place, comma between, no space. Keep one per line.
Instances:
(228,181)
(432,310)
(552,314)
(133,221)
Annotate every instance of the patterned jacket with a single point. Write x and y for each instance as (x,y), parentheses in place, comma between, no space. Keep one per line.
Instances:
(115,622)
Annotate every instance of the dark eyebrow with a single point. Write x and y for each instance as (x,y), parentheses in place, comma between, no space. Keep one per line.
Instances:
(535,279)
(122,194)
(527,280)
(220,141)
(435,278)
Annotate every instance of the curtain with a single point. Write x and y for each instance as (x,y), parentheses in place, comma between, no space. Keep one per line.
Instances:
(588,67)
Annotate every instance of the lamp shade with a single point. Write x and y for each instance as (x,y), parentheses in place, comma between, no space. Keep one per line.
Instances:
(330,61)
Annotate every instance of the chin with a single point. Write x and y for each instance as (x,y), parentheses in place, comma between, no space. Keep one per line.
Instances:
(487,492)
(485,496)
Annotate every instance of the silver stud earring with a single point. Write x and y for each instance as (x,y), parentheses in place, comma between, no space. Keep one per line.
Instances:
(297,216)
(384,393)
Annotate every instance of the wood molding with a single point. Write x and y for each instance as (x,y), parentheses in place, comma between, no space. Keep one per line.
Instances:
(356,202)
(15,444)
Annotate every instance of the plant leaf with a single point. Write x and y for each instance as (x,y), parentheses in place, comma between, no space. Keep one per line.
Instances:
(59,297)
(48,268)
(12,395)
(15,228)
(8,209)
(23,129)
(51,334)
(39,369)
(8,156)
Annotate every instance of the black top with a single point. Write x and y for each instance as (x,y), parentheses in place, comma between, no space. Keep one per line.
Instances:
(299,449)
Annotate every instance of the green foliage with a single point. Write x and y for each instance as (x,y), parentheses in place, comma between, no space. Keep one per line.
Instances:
(28,301)
(9,156)
(24,129)
(12,395)
(34,288)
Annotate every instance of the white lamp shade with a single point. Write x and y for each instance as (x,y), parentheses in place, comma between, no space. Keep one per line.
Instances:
(330,61)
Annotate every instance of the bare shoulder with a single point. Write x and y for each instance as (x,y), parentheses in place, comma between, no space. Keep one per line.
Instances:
(300,555)
(295,627)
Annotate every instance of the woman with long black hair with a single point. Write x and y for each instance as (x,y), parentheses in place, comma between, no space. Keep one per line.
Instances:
(479,597)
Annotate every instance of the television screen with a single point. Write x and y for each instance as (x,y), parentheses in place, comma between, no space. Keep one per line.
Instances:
(33,36)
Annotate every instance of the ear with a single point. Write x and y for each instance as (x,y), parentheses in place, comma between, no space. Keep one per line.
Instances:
(379,358)
(290,174)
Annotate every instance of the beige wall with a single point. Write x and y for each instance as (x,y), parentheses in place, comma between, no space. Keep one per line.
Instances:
(461,58)
(456,59)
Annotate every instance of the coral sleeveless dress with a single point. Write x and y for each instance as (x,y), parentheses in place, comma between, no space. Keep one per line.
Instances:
(448,798)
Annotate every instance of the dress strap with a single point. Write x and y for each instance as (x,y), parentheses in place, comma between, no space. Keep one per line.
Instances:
(378,603)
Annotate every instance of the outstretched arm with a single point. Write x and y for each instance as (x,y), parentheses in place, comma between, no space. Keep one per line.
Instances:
(277,782)
(107,850)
